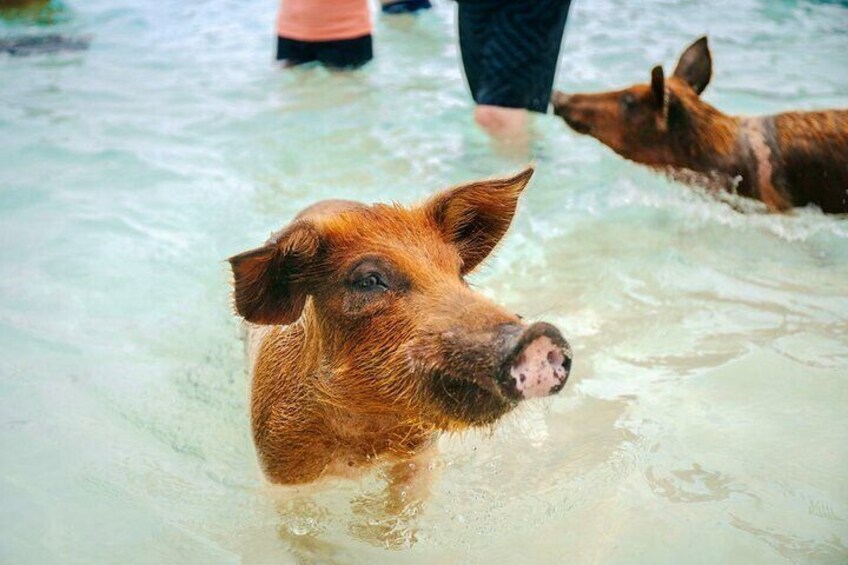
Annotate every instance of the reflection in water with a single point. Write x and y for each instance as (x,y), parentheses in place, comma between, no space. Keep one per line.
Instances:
(378,525)
(311,519)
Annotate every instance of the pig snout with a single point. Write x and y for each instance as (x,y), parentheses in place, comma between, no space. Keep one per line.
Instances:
(560,100)
(562,104)
(537,364)
(566,107)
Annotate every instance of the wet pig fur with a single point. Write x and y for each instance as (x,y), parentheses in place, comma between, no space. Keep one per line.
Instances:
(365,341)
(784,160)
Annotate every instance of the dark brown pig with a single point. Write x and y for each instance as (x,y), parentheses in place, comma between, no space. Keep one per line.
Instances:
(784,160)
(365,340)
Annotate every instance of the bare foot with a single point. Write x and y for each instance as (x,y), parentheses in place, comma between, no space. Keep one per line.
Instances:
(504,123)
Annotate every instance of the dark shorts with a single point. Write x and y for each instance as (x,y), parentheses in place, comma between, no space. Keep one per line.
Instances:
(341,54)
(510,50)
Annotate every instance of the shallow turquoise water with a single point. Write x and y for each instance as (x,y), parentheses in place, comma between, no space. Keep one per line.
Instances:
(706,419)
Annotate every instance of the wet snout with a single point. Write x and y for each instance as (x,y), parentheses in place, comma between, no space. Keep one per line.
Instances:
(538,364)
(566,107)
(560,100)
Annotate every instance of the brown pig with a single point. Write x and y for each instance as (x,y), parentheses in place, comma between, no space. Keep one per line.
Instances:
(366,341)
(784,160)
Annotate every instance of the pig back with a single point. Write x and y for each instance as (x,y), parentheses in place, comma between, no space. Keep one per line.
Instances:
(814,155)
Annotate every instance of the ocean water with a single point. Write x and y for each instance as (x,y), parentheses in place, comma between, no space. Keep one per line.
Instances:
(706,420)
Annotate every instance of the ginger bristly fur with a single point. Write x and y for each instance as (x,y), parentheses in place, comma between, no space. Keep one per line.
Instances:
(785,160)
(365,341)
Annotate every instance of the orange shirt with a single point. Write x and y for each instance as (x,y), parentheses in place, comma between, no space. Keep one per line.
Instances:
(323,20)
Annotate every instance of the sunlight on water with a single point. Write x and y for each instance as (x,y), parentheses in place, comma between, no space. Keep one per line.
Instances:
(706,418)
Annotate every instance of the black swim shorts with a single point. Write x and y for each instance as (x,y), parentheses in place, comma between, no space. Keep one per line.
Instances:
(510,50)
(340,54)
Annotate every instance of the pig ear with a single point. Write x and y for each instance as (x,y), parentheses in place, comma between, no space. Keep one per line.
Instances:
(695,66)
(271,281)
(658,86)
(475,216)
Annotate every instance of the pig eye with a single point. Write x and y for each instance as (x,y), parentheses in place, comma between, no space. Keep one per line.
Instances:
(628,102)
(372,281)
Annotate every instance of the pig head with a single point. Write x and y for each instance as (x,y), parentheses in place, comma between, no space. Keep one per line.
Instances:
(652,123)
(367,339)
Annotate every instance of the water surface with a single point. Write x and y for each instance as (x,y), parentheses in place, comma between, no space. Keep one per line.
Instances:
(706,418)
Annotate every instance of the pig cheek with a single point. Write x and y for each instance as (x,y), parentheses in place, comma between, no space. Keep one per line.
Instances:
(604,124)
(422,356)
(609,131)
(425,357)
(644,139)
(364,305)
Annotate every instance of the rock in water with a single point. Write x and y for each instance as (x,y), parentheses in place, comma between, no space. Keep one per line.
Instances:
(37,44)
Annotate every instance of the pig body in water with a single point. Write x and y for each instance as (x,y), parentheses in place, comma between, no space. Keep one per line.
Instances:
(365,340)
(784,160)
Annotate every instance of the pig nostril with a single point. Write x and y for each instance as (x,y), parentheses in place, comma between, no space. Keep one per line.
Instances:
(539,368)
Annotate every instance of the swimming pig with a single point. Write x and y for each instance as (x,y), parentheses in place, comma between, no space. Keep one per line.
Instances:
(784,160)
(366,341)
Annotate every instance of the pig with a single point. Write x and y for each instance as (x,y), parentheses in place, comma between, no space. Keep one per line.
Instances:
(784,160)
(365,341)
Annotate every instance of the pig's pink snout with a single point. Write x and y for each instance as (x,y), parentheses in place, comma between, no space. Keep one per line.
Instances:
(538,365)
(560,99)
